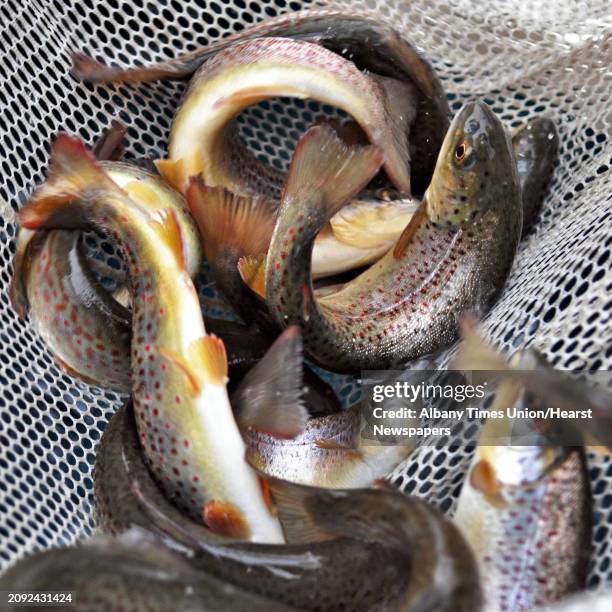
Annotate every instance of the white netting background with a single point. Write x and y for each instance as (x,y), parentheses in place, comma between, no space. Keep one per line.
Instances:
(524,58)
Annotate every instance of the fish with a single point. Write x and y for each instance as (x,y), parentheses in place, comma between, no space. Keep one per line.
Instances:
(185,421)
(256,70)
(368,566)
(526,509)
(536,149)
(327,453)
(134,571)
(87,331)
(546,387)
(373,46)
(453,256)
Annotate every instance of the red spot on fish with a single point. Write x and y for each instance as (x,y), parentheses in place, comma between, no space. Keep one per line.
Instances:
(186,445)
(167,426)
(147,347)
(278,266)
(177,399)
(161,310)
(155,411)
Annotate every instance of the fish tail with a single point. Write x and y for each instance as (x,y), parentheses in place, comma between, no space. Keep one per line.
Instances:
(401,104)
(269,398)
(86,68)
(226,220)
(323,164)
(60,203)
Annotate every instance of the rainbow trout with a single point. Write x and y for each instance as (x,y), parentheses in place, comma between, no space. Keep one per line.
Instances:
(88,332)
(134,571)
(389,551)
(453,256)
(373,47)
(187,429)
(525,508)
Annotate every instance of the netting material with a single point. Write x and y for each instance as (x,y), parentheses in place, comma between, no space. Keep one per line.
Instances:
(548,59)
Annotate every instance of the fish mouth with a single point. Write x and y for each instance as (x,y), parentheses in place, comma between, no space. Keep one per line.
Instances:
(473,116)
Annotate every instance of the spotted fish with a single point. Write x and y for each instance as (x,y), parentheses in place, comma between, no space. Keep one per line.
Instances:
(187,429)
(525,508)
(389,552)
(88,332)
(134,571)
(373,46)
(453,256)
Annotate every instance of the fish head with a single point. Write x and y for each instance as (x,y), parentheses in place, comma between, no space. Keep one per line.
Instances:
(474,158)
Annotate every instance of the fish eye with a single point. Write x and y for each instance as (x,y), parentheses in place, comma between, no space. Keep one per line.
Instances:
(460,152)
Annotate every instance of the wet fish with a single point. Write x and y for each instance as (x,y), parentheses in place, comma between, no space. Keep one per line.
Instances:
(536,148)
(185,421)
(525,508)
(453,256)
(327,453)
(250,72)
(87,331)
(379,563)
(373,46)
(134,571)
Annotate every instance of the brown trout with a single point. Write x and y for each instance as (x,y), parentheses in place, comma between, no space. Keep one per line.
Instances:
(134,571)
(187,429)
(87,331)
(525,508)
(536,148)
(388,545)
(327,453)
(360,37)
(454,255)
(250,72)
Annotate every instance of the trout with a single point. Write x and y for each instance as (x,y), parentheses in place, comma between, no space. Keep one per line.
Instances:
(87,331)
(185,422)
(525,507)
(452,257)
(134,571)
(372,550)
(373,46)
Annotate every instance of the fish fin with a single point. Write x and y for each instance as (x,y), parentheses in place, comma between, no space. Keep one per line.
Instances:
(267,495)
(353,225)
(269,398)
(110,143)
(143,193)
(74,170)
(253,273)
(290,500)
(417,219)
(473,353)
(334,445)
(225,519)
(323,163)
(210,359)
(193,377)
(401,101)
(228,220)
(167,227)
(172,171)
(88,69)
(483,479)
(25,242)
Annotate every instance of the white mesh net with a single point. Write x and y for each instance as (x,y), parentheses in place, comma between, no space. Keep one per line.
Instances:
(524,58)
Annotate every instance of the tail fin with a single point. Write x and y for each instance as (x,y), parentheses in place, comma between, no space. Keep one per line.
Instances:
(269,398)
(74,170)
(401,103)
(324,164)
(228,220)
(110,143)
